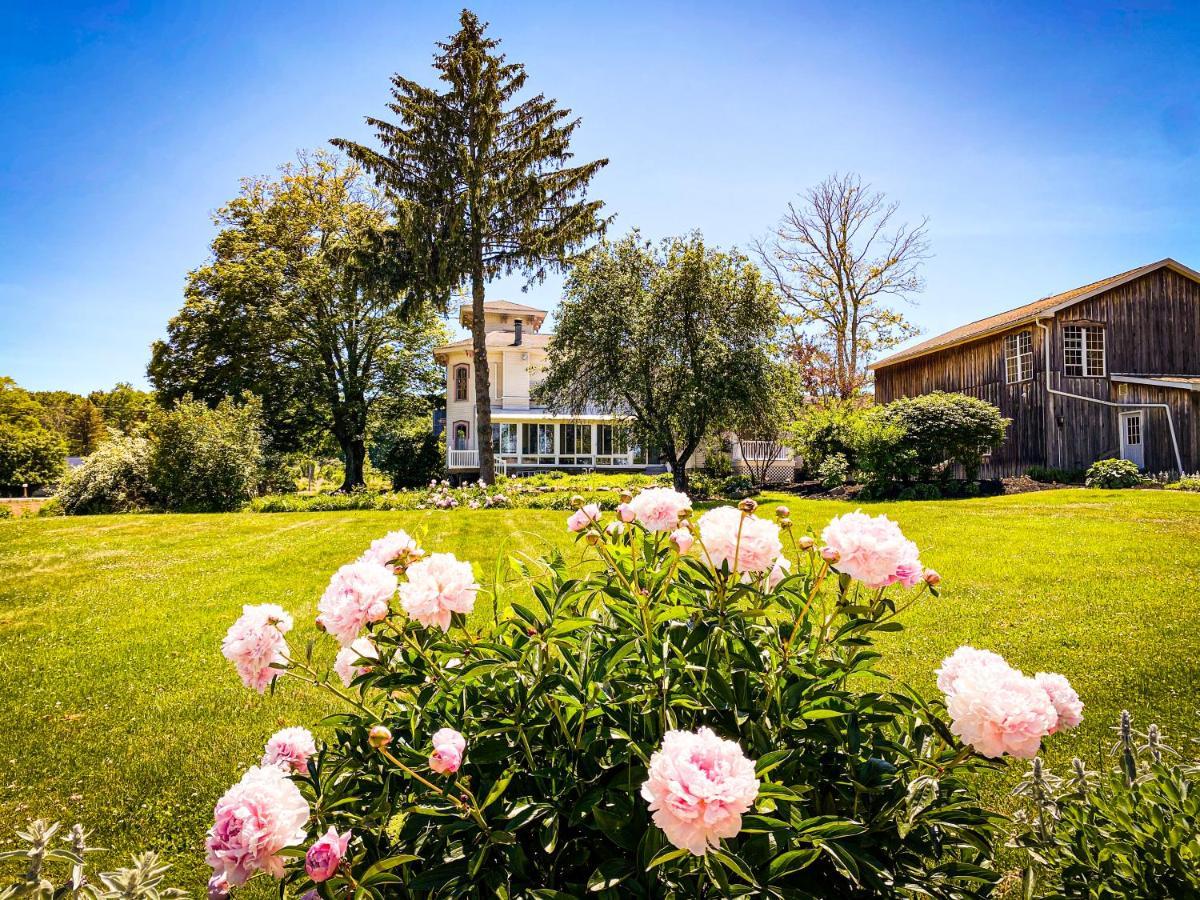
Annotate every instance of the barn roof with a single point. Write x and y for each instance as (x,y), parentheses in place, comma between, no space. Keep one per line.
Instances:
(1022,314)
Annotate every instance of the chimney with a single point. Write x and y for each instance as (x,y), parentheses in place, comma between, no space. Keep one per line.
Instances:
(517,328)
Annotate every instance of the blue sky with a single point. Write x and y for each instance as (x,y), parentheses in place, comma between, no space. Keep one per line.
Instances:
(1048,147)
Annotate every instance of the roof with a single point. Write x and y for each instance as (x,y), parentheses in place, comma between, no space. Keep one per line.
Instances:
(1038,309)
(497,339)
(1186,382)
(504,308)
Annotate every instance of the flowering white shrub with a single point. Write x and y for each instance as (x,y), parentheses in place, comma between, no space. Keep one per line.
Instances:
(681,717)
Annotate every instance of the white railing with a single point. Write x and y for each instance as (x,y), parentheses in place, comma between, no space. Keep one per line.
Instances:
(762,450)
(463,459)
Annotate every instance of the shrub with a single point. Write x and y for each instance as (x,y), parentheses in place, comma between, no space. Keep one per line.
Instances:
(833,471)
(737,487)
(1128,832)
(29,455)
(113,479)
(141,881)
(718,463)
(1113,473)
(656,723)
(5,512)
(1185,483)
(704,486)
(206,459)
(941,430)
(924,491)
(1047,475)
(827,429)
(411,458)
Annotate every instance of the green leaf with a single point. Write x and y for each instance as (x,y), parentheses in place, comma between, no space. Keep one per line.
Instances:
(734,864)
(792,861)
(769,761)
(497,789)
(665,855)
(609,874)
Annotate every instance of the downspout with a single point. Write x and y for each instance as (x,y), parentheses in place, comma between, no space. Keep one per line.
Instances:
(1163,406)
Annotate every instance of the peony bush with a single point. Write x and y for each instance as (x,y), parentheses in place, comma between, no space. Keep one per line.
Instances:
(692,710)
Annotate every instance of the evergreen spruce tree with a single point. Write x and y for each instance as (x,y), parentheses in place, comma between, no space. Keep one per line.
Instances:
(484,181)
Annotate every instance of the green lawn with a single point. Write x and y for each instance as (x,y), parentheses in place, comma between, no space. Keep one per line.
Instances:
(117,709)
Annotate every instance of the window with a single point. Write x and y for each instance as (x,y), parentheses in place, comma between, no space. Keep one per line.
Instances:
(1018,357)
(538,440)
(1133,430)
(504,439)
(575,444)
(460,382)
(617,445)
(1083,351)
(461,433)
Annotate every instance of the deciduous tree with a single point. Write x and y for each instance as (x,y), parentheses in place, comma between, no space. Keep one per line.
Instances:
(485,179)
(837,260)
(677,336)
(292,308)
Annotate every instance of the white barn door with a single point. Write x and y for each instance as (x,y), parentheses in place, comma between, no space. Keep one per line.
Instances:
(1133,438)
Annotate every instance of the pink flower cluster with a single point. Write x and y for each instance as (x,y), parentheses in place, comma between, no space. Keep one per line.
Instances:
(255,641)
(658,509)
(358,594)
(395,547)
(872,550)
(256,819)
(437,587)
(584,516)
(698,787)
(746,542)
(290,749)
(448,749)
(326,854)
(345,664)
(997,710)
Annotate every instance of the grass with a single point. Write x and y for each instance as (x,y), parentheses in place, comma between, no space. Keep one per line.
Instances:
(117,709)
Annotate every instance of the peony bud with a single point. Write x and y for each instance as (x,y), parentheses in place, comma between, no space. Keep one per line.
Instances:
(379,737)
(830,555)
(782,512)
(625,513)
(323,858)
(576,502)
(785,523)
(592,538)
(932,578)
(748,506)
(682,538)
(626,496)
(806,542)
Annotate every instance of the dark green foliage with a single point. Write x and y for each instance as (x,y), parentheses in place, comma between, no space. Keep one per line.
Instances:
(481,181)
(1113,473)
(5,512)
(1048,475)
(833,471)
(30,453)
(738,487)
(864,791)
(85,431)
(206,459)
(1132,831)
(676,336)
(412,457)
(923,438)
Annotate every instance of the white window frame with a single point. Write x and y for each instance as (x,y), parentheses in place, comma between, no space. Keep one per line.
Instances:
(501,431)
(466,382)
(1018,357)
(1081,344)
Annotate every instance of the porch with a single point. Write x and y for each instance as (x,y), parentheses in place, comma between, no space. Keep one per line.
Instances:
(539,443)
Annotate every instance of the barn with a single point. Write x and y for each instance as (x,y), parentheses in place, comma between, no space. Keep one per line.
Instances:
(1110,369)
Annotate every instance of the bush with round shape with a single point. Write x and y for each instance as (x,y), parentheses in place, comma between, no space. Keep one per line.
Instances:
(649,724)
(115,478)
(1113,473)
(833,471)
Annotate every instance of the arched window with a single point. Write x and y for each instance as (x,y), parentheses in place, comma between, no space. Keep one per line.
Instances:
(460,382)
(461,432)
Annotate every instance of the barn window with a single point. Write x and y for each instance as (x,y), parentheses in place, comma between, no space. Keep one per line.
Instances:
(1083,351)
(1018,357)
(460,382)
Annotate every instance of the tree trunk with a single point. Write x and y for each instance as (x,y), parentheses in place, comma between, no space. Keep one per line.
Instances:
(679,478)
(349,428)
(483,399)
(354,452)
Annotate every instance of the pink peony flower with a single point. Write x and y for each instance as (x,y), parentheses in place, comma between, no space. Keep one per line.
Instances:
(437,587)
(625,513)
(584,516)
(323,858)
(873,550)
(358,593)
(379,736)
(698,786)
(660,509)
(290,749)
(393,547)
(255,641)
(1062,695)
(256,819)
(683,540)
(746,543)
(932,578)
(345,664)
(612,529)
(993,707)
(448,749)
(781,570)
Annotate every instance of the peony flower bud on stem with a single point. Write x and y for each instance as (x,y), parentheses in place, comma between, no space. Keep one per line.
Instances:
(748,506)
(626,496)
(830,555)
(806,542)
(576,502)
(932,578)
(379,737)
(782,512)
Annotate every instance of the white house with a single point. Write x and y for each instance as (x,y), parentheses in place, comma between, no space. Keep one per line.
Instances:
(526,437)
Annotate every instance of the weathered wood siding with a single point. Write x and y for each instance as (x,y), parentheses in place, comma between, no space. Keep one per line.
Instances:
(1152,327)
(977,369)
